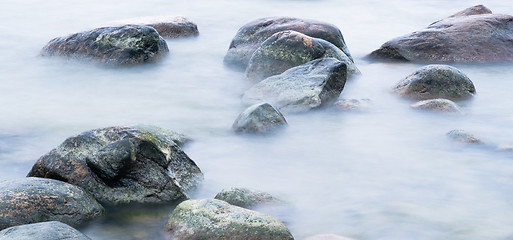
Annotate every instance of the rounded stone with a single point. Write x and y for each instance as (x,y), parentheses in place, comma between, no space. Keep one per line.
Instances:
(463,137)
(46,230)
(259,118)
(246,198)
(437,105)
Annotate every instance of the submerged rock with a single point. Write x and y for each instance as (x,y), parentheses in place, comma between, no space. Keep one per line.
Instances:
(259,118)
(246,198)
(32,200)
(472,35)
(436,81)
(47,230)
(216,219)
(437,105)
(124,45)
(166,26)
(311,85)
(463,137)
(121,165)
(250,36)
(287,49)
(352,104)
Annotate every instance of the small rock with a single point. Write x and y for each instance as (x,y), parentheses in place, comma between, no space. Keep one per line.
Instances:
(327,237)
(475,10)
(463,137)
(216,219)
(311,85)
(288,49)
(259,118)
(124,45)
(250,36)
(436,81)
(166,26)
(437,105)
(352,104)
(32,200)
(246,198)
(46,230)
(122,165)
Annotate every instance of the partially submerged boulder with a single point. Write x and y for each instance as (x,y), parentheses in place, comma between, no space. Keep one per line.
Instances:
(246,198)
(32,200)
(472,35)
(216,219)
(250,36)
(123,45)
(311,85)
(53,230)
(166,26)
(352,104)
(436,81)
(437,105)
(259,118)
(122,165)
(463,137)
(288,49)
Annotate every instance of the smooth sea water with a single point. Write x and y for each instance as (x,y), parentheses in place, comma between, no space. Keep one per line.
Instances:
(387,172)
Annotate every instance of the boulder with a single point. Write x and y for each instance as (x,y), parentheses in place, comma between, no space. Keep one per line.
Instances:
(352,104)
(216,219)
(32,200)
(259,118)
(46,230)
(250,36)
(246,198)
(463,137)
(436,81)
(122,165)
(311,85)
(288,49)
(166,26)
(473,35)
(123,45)
(437,105)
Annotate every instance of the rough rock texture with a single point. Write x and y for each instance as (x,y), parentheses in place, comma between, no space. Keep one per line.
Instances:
(463,137)
(32,200)
(121,165)
(352,104)
(124,45)
(47,230)
(287,49)
(311,85)
(259,118)
(246,198)
(216,219)
(472,35)
(436,81)
(327,237)
(250,36)
(437,105)
(166,26)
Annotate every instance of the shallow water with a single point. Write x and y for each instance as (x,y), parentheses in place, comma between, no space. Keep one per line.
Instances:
(387,172)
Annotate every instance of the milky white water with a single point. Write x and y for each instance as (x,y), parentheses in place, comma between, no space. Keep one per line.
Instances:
(385,173)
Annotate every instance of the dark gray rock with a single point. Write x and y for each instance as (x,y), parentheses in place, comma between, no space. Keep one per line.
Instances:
(124,45)
(288,49)
(46,230)
(472,35)
(166,26)
(463,137)
(311,85)
(436,81)
(437,105)
(250,36)
(246,198)
(216,219)
(122,165)
(32,200)
(259,118)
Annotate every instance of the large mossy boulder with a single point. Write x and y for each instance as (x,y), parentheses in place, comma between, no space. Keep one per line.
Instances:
(122,165)
(250,36)
(472,35)
(166,26)
(259,118)
(288,49)
(246,198)
(123,45)
(436,81)
(32,200)
(311,85)
(53,230)
(216,219)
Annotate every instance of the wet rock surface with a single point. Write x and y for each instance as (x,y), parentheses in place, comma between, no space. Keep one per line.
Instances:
(47,230)
(437,105)
(166,26)
(288,49)
(216,219)
(473,35)
(352,104)
(250,36)
(122,165)
(311,85)
(124,45)
(32,200)
(436,81)
(463,137)
(246,198)
(259,118)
